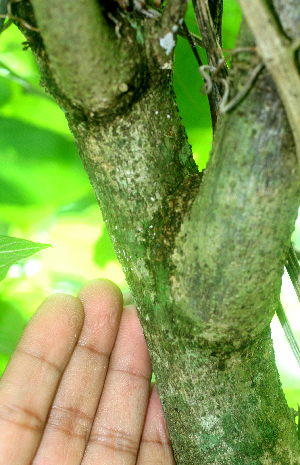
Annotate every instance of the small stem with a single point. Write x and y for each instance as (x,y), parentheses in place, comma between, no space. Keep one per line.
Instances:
(288,332)
(191,42)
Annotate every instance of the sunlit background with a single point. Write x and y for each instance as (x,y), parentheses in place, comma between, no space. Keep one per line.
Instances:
(45,194)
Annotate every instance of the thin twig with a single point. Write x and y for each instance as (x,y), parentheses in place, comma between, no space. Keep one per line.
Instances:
(191,42)
(208,80)
(213,50)
(293,269)
(3,11)
(195,38)
(224,106)
(278,56)
(288,332)
(208,33)
(231,52)
(20,20)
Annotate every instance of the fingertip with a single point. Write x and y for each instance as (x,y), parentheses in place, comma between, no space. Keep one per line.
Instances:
(103,288)
(50,335)
(64,304)
(102,301)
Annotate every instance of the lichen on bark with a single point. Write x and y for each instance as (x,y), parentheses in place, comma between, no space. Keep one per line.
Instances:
(203,258)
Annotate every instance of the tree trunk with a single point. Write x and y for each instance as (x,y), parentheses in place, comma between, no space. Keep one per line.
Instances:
(202,254)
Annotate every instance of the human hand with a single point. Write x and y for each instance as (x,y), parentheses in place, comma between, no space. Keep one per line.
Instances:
(77,388)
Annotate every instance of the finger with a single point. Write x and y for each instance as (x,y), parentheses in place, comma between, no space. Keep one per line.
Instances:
(118,425)
(77,398)
(30,380)
(155,444)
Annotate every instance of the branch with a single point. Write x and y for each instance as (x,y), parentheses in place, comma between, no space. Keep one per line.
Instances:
(208,32)
(173,16)
(237,232)
(93,68)
(278,55)
(164,38)
(216,11)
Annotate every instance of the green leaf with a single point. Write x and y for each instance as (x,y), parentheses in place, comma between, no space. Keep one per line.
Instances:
(13,249)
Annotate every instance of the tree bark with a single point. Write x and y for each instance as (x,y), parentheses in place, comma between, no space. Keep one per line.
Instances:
(203,254)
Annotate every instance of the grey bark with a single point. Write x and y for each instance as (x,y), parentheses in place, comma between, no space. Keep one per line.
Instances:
(203,254)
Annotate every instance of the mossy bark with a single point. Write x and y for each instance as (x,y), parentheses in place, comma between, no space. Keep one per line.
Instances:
(203,255)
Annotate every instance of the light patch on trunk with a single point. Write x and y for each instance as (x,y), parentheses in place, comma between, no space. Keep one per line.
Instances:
(167,42)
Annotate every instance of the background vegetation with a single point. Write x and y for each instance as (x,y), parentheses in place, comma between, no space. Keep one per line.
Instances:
(45,194)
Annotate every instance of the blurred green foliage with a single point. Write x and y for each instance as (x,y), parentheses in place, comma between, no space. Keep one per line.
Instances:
(45,194)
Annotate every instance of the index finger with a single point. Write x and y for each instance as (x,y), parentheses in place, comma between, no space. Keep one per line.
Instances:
(29,382)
